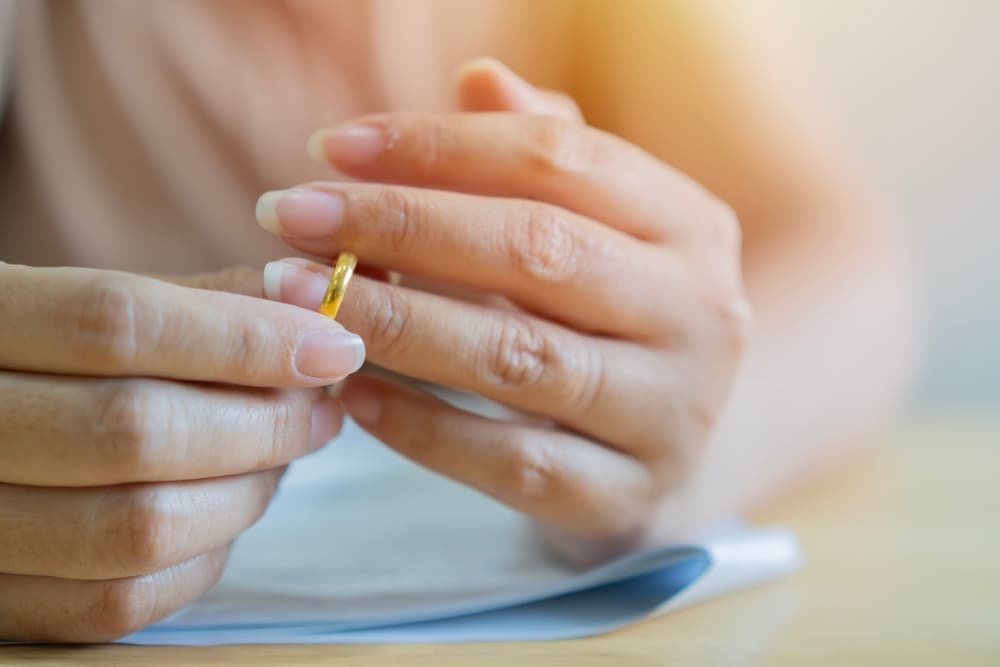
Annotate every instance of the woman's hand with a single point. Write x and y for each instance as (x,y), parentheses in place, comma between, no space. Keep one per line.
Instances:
(616,320)
(143,426)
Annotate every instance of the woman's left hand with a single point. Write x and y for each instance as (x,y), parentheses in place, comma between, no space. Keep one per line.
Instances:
(614,315)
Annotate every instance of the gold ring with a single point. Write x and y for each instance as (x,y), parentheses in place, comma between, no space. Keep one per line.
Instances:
(342,272)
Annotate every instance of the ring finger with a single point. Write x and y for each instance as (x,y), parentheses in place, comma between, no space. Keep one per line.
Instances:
(557,477)
(609,389)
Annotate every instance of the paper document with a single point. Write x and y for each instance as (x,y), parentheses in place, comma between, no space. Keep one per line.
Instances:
(361,545)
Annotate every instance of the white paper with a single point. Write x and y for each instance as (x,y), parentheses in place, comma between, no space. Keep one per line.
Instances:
(361,545)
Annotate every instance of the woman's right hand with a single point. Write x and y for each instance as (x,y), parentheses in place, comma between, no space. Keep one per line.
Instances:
(143,426)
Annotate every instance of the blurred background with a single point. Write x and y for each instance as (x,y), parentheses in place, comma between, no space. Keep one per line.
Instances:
(918,87)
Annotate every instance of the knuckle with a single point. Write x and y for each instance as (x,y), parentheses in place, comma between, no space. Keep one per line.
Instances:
(519,356)
(543,246)
(148,528)
(734,318)
(720,226)
(247,343)
(104,323)
(529,477)
(398,214)
(285,420)
(133,421)
(556,147)
(436,140)
(522,355)
(389,323)
(122,607)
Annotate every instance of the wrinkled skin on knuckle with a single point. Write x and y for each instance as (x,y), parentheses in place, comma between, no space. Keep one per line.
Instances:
(248,347)
(104,323)
(149,528)
(542,246)
(121,607)
(132,426)
(435,145)
(388,323)
(528,480)
(554,148)
(288,419)
(398,215)
(518,355)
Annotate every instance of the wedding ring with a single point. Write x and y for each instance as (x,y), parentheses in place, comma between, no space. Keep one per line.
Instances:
(342,272)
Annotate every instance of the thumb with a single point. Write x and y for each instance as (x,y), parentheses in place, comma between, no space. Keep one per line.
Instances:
(486,84)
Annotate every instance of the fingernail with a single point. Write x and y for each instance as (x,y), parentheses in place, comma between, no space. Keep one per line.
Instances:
(329,354)
(347,146)
(364,405)
(520,86)
(300,212)
(327,417)
(475,65)
(493,65)
(289,283)
(272,280)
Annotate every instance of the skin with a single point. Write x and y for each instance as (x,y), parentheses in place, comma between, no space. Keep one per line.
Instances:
(130,463)
(624,386)
(603,292)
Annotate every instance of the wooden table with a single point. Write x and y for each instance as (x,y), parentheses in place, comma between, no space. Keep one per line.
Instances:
(904,569)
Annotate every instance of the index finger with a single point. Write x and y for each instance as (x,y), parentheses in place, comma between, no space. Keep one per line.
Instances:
(106,323)
(562,162)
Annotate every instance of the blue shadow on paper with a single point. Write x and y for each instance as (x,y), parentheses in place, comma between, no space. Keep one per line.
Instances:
(583,613)
(588,612)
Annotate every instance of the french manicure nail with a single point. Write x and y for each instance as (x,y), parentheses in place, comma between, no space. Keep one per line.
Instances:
(267,211)
(288,282)
(272,280)
(349,146)
(329,353)
(300,212)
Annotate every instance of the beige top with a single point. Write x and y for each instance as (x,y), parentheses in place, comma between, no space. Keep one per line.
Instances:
(138,135)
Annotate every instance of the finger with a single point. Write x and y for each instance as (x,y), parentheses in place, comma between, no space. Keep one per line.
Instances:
(556,477)
(247,281)
(83,321)
(105,432)
(565,163)
(486,84)
(611,390)
(46,609)
(547,259)
(123,531)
